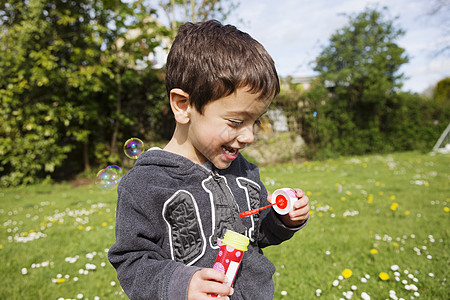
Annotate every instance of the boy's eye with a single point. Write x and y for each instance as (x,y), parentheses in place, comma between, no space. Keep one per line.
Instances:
(234,123)
(257,122)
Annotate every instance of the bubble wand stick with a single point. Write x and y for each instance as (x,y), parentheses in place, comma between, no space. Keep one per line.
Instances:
(254,211)
(283,199)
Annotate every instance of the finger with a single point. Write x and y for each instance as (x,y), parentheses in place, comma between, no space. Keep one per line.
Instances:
(302,202)
(213,287)
(269,198)
(212,274)
(299,193)
(298,218)
(301,213)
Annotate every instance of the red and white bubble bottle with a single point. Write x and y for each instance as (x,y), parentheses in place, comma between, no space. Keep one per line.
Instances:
(230,255)
(283,200)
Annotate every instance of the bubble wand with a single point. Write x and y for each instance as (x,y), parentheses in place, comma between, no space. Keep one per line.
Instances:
(283,199)
(254,211)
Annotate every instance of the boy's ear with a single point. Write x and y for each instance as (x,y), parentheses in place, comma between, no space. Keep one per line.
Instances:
(179,102)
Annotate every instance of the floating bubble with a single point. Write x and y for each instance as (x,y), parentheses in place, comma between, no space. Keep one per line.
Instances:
(315,114)
(115,169)
(133,148)
(108,177)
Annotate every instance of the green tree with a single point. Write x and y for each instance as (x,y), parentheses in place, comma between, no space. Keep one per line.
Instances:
(442,91)
(35,124)
(182,11)
(66,71)
(360,67)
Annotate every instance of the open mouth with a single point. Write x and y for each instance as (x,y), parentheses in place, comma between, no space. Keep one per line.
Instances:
(232,152)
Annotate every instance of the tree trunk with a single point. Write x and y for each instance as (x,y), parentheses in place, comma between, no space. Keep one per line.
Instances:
(87,166)
(113,149)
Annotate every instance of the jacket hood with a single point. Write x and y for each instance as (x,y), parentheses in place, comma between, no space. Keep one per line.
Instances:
(173,162)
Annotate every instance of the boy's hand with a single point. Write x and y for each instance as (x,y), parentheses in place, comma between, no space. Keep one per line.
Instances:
(300,213)
(208,281)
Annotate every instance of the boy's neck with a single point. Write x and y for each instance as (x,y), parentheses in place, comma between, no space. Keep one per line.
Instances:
(180,145)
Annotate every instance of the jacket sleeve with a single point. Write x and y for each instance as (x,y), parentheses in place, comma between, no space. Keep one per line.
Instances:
(272,230)
(144,270)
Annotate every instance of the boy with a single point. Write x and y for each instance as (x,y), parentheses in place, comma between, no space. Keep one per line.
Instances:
(176,202)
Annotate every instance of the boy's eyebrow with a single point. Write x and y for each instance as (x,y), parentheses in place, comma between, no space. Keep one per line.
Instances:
(246,113)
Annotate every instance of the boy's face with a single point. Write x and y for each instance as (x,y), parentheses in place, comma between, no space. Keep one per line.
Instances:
(225,127)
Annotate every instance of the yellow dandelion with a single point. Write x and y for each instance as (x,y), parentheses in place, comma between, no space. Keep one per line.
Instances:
(311,212)
(374,251)
(364,165)
(347,273)
(104,224)
(395,244)
(80,227)
(392,197)
(349,193)
(343,198)
(320,214)
(381,193)
(1,246)
(60,280)
(308,193)
(426,184)
(407,213)
(370,199)
(394,206)
(446,209)
(377,183)
(383,276)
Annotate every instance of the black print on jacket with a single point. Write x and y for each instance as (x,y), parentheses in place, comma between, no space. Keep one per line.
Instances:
(185,229)
(252,191)
(225,213)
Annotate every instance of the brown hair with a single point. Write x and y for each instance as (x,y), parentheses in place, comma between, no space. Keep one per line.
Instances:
(209,61)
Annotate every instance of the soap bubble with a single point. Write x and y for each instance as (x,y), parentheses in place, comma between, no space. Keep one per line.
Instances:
(116,170)
(315,114)
(133,148)
(108,177)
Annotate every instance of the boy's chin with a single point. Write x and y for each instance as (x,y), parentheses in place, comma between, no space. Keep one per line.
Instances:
(220,164)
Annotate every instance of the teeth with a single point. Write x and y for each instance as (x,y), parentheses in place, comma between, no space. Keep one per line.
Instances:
(229,150)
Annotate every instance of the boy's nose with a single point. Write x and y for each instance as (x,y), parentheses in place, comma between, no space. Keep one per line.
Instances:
(246,135)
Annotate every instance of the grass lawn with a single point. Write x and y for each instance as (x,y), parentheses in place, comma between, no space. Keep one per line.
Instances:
(372,216)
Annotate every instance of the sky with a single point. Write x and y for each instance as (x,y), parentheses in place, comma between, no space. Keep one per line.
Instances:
(295,31)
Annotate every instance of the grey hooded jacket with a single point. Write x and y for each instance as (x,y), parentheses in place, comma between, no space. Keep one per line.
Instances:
(170,213)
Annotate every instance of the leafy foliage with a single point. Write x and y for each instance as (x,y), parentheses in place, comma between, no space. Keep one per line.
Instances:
(77,81)
(181,11)
(442,91)
(355,106)
(68,70)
